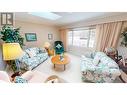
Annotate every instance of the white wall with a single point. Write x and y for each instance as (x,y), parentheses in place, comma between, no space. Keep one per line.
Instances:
(41,31)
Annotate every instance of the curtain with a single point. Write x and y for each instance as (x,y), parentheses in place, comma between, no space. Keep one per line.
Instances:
(107,35)
(63,37)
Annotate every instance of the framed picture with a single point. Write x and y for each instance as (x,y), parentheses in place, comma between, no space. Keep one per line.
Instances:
(6,18)
(31,37)
(50,36)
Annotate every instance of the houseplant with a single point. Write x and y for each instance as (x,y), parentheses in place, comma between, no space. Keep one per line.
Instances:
(124,37)
(11,35)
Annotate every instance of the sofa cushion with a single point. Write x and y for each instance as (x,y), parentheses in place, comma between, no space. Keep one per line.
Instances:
(27,75)
(42,50)
(96,60)
(84,58)
(31,53)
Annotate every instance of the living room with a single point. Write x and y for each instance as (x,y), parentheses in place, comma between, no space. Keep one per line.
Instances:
(79,34)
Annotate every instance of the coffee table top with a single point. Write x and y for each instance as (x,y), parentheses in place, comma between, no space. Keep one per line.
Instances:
(56,60)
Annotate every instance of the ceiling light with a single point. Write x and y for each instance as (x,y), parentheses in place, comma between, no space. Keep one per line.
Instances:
(47,15)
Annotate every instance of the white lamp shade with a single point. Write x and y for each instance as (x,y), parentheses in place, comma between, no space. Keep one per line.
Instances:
(47,45)
(11,51)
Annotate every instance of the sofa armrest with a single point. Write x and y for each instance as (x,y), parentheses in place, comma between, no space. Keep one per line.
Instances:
(87,66)
(27,75)
(115,72)
(4,76)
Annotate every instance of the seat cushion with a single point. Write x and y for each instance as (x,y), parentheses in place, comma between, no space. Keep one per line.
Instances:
(31,53)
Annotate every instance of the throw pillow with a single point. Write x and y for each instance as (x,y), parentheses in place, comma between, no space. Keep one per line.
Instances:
(19,79)
(42,50)
(58,46)
(31,54)
(96,60)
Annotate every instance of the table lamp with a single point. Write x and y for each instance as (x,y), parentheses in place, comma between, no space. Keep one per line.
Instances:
(46,46)
(11,51)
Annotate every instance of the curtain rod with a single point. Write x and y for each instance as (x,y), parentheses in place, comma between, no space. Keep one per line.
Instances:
(90,26)
(81,27)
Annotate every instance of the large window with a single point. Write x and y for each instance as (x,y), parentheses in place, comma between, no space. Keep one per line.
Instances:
(82,37)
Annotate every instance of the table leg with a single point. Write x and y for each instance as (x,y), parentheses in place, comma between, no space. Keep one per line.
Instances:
(54,66)
(64,66)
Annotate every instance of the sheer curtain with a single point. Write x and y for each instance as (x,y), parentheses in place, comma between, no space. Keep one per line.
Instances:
(107,35)
(63,37)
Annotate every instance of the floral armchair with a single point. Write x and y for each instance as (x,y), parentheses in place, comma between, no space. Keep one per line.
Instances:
(99,68)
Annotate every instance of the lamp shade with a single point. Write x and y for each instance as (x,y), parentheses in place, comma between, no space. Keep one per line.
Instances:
(11,51)
(47,45)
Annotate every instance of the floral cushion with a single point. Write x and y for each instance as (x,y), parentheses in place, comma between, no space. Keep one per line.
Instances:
(19,79)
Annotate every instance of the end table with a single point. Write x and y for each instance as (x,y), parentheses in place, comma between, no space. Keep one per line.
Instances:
(124,69)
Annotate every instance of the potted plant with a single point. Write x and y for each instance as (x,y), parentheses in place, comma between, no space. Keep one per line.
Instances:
(124,37)
(11,35)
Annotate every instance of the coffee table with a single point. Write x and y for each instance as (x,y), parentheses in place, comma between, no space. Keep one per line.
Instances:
(56,60)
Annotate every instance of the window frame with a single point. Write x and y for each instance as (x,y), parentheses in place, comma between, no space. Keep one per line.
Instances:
(88,40)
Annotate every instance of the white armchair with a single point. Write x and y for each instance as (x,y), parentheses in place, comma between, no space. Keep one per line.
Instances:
(31,77)
(4,77)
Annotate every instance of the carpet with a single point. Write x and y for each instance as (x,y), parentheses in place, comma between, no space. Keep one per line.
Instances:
(72,74)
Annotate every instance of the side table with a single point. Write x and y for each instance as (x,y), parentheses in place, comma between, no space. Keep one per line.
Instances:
(124,69)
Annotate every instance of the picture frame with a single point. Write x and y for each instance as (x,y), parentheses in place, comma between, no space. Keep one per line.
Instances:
(6,18)
(50,36)
(30,37)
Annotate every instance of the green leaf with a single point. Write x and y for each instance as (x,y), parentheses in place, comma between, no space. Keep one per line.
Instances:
(9,35)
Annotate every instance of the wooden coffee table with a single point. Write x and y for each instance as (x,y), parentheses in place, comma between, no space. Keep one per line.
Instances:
(56,60)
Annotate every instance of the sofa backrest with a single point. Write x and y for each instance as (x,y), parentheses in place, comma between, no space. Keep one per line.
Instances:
(105,60)
(34,50)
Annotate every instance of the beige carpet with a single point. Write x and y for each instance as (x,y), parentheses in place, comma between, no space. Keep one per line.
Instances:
(72,74)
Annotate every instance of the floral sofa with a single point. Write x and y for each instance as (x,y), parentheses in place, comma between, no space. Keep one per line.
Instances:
(99,68)
(31,58)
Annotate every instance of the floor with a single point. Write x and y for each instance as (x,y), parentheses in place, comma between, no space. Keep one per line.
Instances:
(72,74)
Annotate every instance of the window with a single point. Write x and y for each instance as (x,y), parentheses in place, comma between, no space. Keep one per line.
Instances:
(81,38)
